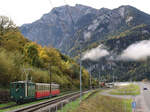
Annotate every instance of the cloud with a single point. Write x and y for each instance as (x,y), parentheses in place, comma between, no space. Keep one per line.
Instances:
(87,35)
(136,51)
(95,53)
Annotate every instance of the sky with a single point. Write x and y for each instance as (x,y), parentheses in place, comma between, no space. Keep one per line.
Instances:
(28,11)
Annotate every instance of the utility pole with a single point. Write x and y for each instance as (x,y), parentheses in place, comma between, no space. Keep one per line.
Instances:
(99,78)
(50,77)
(113,78)
(26,71)
(80,74)
(90,79)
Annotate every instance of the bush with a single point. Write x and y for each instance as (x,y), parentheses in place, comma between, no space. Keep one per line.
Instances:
(8,71)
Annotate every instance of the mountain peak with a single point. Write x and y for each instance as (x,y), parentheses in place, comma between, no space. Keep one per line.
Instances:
(103,10)
(82,6)
(126,6)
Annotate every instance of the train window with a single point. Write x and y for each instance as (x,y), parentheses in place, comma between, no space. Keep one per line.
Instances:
(39,87)
(17,86)
(12,85)
(22,85)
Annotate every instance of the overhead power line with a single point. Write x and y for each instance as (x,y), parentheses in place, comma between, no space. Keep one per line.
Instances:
(69,13)
(64,28)
(62,23)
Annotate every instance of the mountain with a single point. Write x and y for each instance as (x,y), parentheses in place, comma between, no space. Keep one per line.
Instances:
(110,23)
(87,28)
(59,27)
(56,27)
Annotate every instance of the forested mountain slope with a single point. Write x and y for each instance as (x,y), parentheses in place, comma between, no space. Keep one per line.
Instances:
(19,55)
(124,68)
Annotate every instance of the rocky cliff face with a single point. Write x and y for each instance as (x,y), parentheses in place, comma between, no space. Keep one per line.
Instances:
(59,29)
(56,27)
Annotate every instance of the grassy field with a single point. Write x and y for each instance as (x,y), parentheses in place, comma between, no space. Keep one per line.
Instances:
(75,104)
(131,89)
(98,103)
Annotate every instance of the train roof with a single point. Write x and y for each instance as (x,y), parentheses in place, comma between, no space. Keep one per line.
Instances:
(54,84)
(47,84)
(22,82)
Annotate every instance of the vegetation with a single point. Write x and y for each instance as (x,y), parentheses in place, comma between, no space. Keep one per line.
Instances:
(131,89)
(104,104)
(7,104)
(17,54)
(74,104)
(99,103)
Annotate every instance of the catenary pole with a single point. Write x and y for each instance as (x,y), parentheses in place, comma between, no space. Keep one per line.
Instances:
(80,74)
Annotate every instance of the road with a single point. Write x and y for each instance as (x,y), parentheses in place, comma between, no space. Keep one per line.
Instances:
(142,100)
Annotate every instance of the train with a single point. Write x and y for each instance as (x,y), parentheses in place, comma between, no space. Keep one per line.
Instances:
(102,84)
(24,91)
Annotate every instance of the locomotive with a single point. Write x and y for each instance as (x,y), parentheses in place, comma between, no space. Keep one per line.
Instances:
(24,91)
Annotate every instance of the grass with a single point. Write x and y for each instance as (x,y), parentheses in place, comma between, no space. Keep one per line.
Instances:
(7,104)
(74,104)
(100,103)
(132,89)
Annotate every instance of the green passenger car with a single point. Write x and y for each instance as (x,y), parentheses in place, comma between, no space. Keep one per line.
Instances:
(22,91)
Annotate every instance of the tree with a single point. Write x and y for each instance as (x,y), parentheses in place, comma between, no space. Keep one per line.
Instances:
(50,56)
(31,52)
(6,24)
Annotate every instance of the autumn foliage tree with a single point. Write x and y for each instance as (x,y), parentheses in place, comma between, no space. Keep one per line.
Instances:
(6,24)
(31,53)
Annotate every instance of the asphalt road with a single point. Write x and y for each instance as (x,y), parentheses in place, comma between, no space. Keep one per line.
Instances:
(142,100)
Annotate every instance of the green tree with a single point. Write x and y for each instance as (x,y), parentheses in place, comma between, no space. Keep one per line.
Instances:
(32,54)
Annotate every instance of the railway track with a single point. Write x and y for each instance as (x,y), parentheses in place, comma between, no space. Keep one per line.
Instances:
(38,106)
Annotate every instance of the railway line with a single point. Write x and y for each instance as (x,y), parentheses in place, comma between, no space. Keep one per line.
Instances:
(36,107)
(14,105)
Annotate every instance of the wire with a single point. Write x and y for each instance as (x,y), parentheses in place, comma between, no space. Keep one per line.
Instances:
(78,32)
(51,4)
(62,23)
(69,13)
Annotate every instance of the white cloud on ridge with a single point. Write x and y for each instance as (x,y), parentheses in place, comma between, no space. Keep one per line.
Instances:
(95,53)
(137,51)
